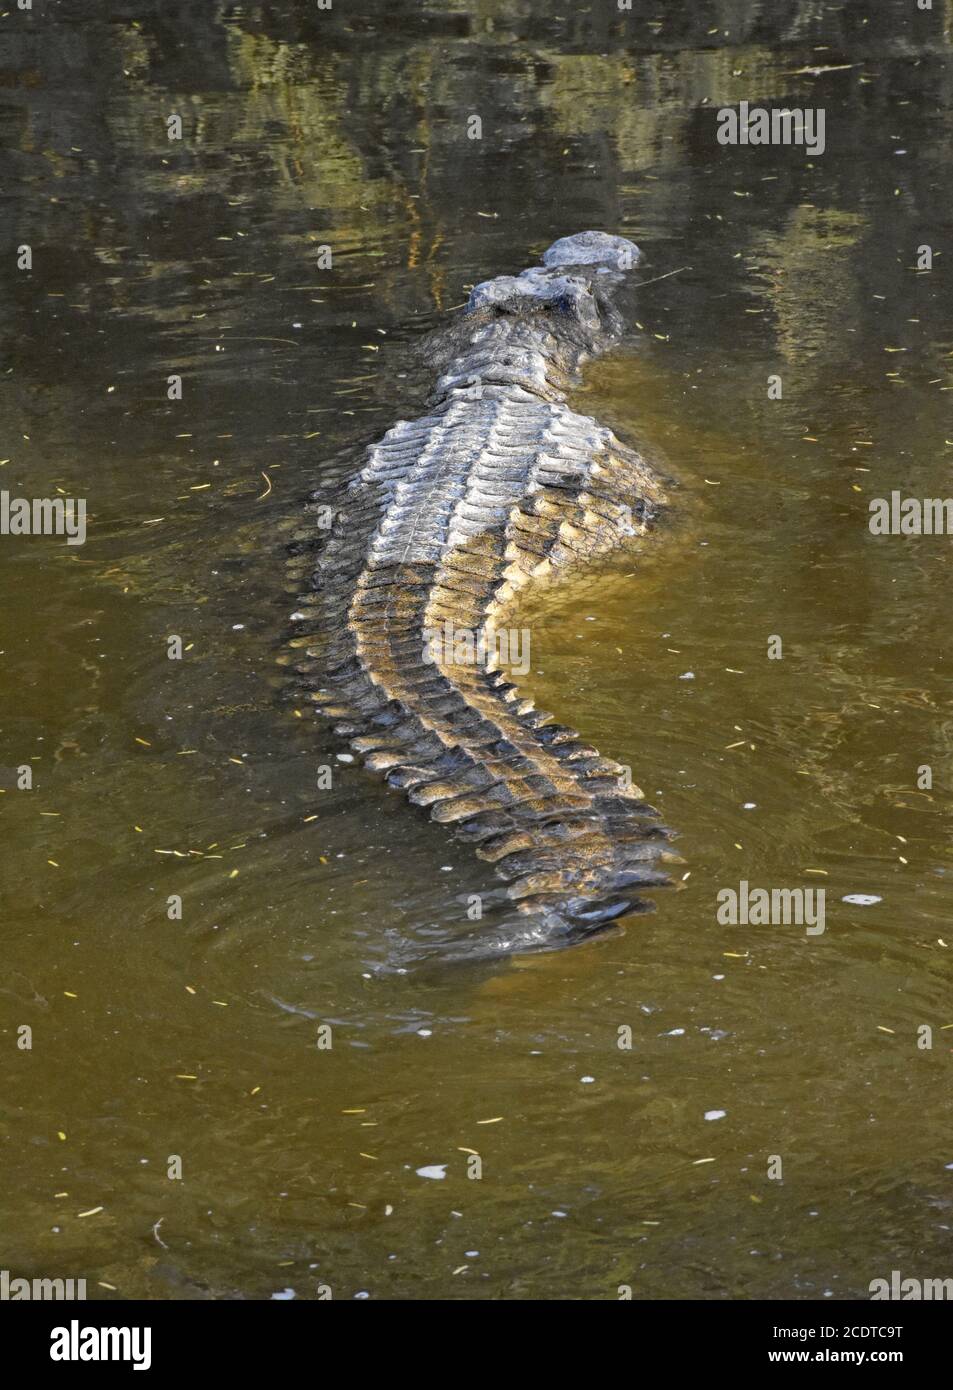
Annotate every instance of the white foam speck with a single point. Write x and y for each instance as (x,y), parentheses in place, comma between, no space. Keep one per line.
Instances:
(437,1171)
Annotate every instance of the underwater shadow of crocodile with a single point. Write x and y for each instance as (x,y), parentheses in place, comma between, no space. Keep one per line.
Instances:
(498,486)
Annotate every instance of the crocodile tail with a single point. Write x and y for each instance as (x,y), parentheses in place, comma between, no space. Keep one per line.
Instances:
(573,842)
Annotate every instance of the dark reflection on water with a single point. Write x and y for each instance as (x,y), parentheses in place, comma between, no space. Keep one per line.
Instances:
(197,1038)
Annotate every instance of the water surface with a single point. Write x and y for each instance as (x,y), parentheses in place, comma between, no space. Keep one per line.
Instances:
(198,1038)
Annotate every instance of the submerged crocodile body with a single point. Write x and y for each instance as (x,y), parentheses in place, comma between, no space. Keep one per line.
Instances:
(499,486)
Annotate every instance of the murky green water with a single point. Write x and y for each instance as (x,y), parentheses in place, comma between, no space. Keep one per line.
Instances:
(197,1038)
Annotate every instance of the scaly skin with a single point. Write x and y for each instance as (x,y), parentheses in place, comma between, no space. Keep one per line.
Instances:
(499,486)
